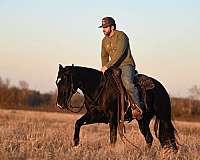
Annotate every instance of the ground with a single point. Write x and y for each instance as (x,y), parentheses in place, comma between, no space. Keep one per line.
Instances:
(42,135)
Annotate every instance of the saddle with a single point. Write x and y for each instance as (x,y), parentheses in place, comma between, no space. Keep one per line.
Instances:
(143,84)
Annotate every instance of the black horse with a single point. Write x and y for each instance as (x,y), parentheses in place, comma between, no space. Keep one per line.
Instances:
(101,102)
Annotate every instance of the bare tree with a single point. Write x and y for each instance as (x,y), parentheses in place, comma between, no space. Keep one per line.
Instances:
(194,92)
(7,83)
(1,82)
(23,85)
(4,84)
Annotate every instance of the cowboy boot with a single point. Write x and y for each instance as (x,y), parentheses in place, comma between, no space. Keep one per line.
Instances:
(137,107)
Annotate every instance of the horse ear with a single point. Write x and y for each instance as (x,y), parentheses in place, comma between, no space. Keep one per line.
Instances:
(72,65)
(60,67)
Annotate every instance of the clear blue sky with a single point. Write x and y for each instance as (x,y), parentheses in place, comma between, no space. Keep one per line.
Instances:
(37,35)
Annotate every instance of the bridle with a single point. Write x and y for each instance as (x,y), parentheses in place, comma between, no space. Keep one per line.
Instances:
(72,91)
(67,103)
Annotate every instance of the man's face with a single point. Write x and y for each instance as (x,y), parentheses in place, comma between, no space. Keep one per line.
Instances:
(107,31)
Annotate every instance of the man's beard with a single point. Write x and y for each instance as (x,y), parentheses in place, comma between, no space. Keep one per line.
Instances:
(107,33)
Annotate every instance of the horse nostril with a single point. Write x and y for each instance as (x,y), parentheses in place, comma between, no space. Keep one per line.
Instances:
(59,106)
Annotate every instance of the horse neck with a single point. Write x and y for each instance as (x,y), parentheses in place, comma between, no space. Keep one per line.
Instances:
(90,82)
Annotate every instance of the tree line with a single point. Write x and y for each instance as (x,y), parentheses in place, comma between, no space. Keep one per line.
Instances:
(21,97)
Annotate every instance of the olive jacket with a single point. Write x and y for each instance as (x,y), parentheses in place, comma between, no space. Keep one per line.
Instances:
(115,50)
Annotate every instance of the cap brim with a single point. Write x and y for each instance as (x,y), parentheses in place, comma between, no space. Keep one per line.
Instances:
(104,26)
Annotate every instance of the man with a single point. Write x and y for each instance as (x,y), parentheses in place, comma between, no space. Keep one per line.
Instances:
(116,52)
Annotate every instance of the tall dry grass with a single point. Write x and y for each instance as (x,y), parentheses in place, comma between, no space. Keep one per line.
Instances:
(40,135)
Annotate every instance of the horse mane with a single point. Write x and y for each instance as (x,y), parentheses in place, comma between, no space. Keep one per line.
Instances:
(84,69)
(89,80)
(91,70)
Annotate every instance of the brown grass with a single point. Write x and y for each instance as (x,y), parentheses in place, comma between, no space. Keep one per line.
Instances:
(40,135)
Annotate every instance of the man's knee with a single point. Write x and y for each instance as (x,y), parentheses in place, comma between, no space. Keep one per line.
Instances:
(126,83)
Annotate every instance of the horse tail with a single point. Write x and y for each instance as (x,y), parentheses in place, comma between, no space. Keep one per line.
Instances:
(172,139)
(156,126)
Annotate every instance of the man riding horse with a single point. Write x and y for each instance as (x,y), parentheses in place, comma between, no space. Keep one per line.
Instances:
(103,93)
(115,45)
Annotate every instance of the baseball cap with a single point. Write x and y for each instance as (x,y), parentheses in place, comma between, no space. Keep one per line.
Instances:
(107,21)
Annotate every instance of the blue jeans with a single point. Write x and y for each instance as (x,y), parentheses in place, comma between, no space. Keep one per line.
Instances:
(128,73)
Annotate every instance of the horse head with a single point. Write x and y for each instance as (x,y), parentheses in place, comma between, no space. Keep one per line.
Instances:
(66,86)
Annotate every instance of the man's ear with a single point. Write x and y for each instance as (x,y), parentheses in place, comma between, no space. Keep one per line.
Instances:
(112,27)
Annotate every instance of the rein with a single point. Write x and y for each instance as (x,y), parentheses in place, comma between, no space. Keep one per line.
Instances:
(99,94)
(72,91)
(68,101)
(121,128)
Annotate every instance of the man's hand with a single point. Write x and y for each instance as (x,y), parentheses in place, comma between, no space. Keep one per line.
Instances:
(103,69)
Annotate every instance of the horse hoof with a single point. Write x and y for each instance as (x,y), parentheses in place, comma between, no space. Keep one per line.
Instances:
(76,148)
(148,147)
(175,151)
(168,152)
(76,143)
(112,145)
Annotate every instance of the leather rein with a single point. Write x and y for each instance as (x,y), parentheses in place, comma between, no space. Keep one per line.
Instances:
(120,117)
(72,91)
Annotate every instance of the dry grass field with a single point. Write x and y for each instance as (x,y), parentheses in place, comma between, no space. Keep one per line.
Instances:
(40,135)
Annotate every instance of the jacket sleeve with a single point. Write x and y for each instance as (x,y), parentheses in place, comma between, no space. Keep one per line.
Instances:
(120,52)
(104,55)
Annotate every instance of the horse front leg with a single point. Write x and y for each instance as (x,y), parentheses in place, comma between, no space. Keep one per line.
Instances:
(82,121)
(113,127)
(94,116)
(113,133)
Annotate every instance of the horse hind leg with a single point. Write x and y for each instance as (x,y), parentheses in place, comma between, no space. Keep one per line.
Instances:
(145,130)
